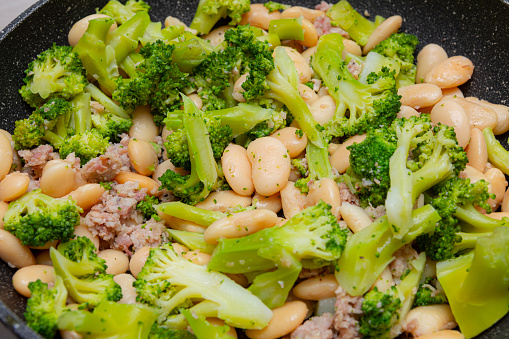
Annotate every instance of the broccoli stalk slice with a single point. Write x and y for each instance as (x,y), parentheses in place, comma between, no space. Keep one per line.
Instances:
(82,114)
(364,257)
(192,240)
(104,100)
(209,12)
(477,284)
(287,29)
(476,221)
(122,13)
(344,15)
(205,330)
(131,62)
(183,211)
(497,154)
(318,162)
(243,117)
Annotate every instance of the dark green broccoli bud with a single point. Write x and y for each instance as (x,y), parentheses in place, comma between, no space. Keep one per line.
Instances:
(427,294)
(146,207)
(86,145)
(209,12)
(110,125)
(36,218)
(275,6)
(122,13)
(55,73)
(163,332)
(379,313)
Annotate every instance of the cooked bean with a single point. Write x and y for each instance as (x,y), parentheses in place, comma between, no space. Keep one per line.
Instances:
(5,156)
(383,31)
(308,53)
(303,69)
(452,114)
(473,174)
(323,109)
(271,202)
(165,133)
(420,95)
(13,186)
(3,208)
(340,158)
(87,195)
(323,91)
(238,91)
(501,111)
(355,217)
(143,127)
(446,334)
(430,56)
(145,182)
(80,27)
(477,152)
(294,143)
(425,320)
(125,280)
(307,94)
(326,190)
(26,275)
(297,11)
(116,261)
(453,92)
(220,322)
(237,170)
(310,34)
(407,112)
(57,179)
(42,258)
(142,155)
(46,246)
(385,281)
(223,201)
(498,186)
(216,36)
(451,72)
(479,116)
(181,225)
(351,47)
(83,231)
(70,334)
(259,16)
(239,279)
(197,257)
(13,253)
(285,320)
(292,200)
(505,202)
(239,225)
(270,165)
(8,135)
(138,260)
(317,288)
(498,215)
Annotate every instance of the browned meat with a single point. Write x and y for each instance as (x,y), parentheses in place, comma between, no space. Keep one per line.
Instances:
(306,273)
(347,308)
(375,213)
(345,195)
(36,159)
(354,68)
(323,6)
(323,26)
(400,264)
(103,168)
(315,328)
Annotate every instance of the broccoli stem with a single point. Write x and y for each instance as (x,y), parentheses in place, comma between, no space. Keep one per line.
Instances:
(272,39)
(287,29)
(497,155)
(183,211)
(318,162)
(53,139)
(477,221)
(82,113)
(242,118)
(203,22)
(192,240)
(345,16)
(131,62)
(104,100)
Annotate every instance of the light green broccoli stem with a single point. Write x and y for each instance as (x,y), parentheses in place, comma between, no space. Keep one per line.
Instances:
(183,211)
(193,241)
(287,29)
(205,330)
(104,100)
(124,39)
(242,118)
(82,114)
(478,222)
(318,162)
(497,154)
(272,39)
(344,15)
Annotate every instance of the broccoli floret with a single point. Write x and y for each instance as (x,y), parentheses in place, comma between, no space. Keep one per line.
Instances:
(209,12)
(146,207)
(364,259)
(360,106)
(401,48)
(497,154)
(427,294)
(55,73)
(110,125)
(170,282)
(275,6)
(312,237)
(44,306)
(36,218)
(86,145)
(122,13)
(163,332)
(379,313)
(84,273)
(204,175)
(110,320)
(478,283)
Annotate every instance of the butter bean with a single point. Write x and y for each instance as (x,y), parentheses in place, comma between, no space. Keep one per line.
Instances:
(80,27)
(479,116)
(310,34)
(297,11)
(197,257)
(505,202)
(142,155)
(216,36)
(445,334)
(259,16)
(473,174)
(138,260)
(308,53)
(303,69)
(271,202)
(285,320)
(163,167)
(28,274)
(42,258)
(385,281)
(323,109)
(220,322)
(238,91)
(428,57)
(83,231)
(5,156)
(237,170)
(351,47)
(87,195)
(501,111)
(498,215)
(453,92)
(383,31)
(116,261)
(57,179)
(407,112)
(452,114)
(145,182)
(317,288)
(498,186)
(340,159)
(125,281)
(3,208)
(425,320)
(293,143)
(13,186)
(224,201)
(307,94)
(477,152)
(355,217)
(181,225)
(326,190)
(13,253)
(420,95)
(453,72)
(143,127)
(292,200)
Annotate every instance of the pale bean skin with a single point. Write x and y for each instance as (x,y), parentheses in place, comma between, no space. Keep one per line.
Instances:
(143,156)
(316,288)
(304,71)
(308,53)
(271,202)
(425,320)
(498,215)
(323,91)
(83,231)
(453,92)
(453,72)
(270,165)
(25,275)
(259,16)
(13,186)
(351,47)
(197,257)
(474,175)
(216,36)
(382,32)
(220,322)
(340,158)
(297,11)
(446,334)
(43,258)
(117,261)
(57,179)
(505,202)
(452,114)
(138,260)
(224,201)
(477,152)
(310,34)
(239,225)
(323,109)
(195,98)
(292,200)
(172,21)
(70,335)
(307,94)
(237,170)
(87,195)
(125,280)
(479,116)
(501,111)
(46,246)
(355,217)
(385,281)
(13,253)
(293,143)
(8,135)
(420,95)
(3,208)
(430,56)
(5,156)
(143,127)
(145,182)
(407,112)
(238,90)
(80,27)
(498,186)
(326,190)
(285,320)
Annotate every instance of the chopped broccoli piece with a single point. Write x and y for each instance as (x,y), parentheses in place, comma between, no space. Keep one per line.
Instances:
(163,332)
(427,294)
(209,12)
(36,218)
(122,13)
(379,313)
(146,207)
(275,6)
(287,29)
(55,73)
(86,145)
(205,330)
(192,240)
(182,211)
(497,154)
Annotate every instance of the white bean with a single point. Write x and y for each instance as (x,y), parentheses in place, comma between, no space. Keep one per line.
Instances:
(479,116)
(143,127)
(116,261)
(80,27)
(303,69)
(57,179)
(237,170)
(355,217)
(420,95)
(125,280)
(407,112)
(452,72)
(271,202)
(238,90)
(292,200)
(285,320)
(340,158)
(452,114)
(326,190)
(138,260)
(425,320)
(307,94)
(223,201)
(427,58)
(216,36)
(143,156)
(293,142)
(13,253)
(317,288)
(383,31)
(323,109)
(13,186)
(28,274)
(87,195)
(259,16)
(477,151)
(5,156)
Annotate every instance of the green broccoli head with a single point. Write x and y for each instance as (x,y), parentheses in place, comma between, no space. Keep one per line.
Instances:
(186,187)
(146,207)
(110,125)
(55,73)
(379,313)
(122,13)
(209,12)
(275,6)
(428,295)
(36,218)
(28,133)
(86,145)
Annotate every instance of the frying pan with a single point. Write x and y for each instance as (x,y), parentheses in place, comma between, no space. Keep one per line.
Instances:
(476,29)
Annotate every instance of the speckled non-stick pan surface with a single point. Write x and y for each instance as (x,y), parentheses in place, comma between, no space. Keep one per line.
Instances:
(476,29)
